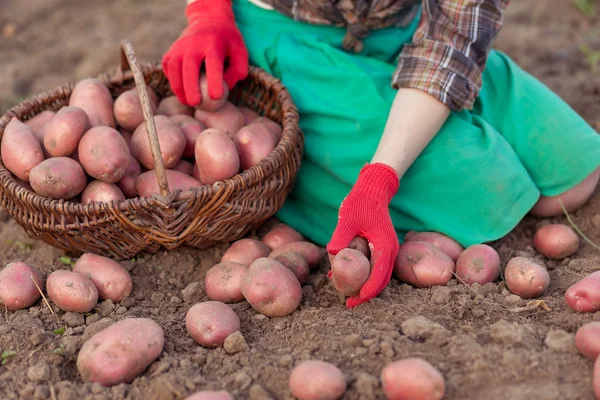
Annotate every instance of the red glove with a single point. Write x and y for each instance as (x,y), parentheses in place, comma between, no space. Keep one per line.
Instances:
(211,36)
(365,212)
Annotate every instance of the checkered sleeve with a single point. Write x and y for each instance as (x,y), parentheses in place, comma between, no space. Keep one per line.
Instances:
(450,49)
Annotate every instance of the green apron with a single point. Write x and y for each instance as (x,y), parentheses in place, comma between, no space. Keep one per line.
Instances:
(477,178)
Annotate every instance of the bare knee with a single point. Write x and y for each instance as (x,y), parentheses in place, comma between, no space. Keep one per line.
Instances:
(572,199)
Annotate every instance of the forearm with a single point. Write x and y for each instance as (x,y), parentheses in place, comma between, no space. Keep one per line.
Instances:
(414,119)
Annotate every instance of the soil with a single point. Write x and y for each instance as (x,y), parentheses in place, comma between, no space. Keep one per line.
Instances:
(483,348)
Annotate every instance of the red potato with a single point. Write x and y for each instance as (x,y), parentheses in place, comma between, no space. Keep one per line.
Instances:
(584,296)
(587,340)
(216,156)
(526,278)
(441,241)
(281,234)
(228,119)
(412,378)
(185,167)
(126,135)
(423,265)
(120,353)
(63,132)
(128,108)
(350,270)
(210,322)
(309,251)
(245,251)
(254,143)
(479,263)
(103,154)
(295,263)
(171,105)
(93,96)
(191,128)
(271,288)
(147,184)
(71,291)
(18,288)
(20,149)
(127,182)
(556,241)
(596,378)
(101,192)
(275,128)
(223,282)
(317,380)
(58,178)
(207,103)
(249,114)
(111,279)
(358,243)
(210,395)
(170,138)
(39,121)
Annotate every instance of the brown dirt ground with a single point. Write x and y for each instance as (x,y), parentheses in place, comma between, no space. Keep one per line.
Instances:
(484,350)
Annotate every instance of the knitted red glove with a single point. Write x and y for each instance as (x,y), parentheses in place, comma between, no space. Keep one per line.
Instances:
(365,212)
(211,36)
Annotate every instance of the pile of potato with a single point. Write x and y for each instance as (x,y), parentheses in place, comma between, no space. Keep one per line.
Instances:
(96,148)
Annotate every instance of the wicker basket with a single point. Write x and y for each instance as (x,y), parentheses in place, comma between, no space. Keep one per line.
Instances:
(201,218)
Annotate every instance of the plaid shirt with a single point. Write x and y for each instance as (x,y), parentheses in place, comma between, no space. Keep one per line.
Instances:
(448,52)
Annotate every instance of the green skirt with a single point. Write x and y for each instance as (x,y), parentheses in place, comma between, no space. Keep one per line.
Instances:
(477,178)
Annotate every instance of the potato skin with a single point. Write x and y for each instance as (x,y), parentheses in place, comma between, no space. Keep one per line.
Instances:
(93,96)
(210,395)
(101,192)
(275,128)
(191,128)
(245,251)
(358,243)
(121,352)
(479,263)
(20,149)
(185,167)
(223,282)
(584,296)
(216,156)
(317,380)
(210,322)
(71,291)
(587,340)
(127,182)
(228,119)
(171,105)
(249,114)
(526,278)
(147,184)
(63,132)
(412,378)
(39,121)
(17,289)
(556,241)
(58,178)
(596,378)
(254,143)
(271,289)
(439,240)
(423,265)
(110,278)
(309,251)
(295,263)
(350,270)
(128,108)
(103,154)
(281,234)
(170,138)
(207,103)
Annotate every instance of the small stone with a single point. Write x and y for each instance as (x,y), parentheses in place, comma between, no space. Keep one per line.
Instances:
(96,327)
(513,299)
(286,360)
(420,327)
(353,340)
(39,373)
(235,343)
(73,319)
(561,341)
(37,338)
(93,318)
(330,321)
(105,308)
(257,392)
(441,294)
(477,312)
(175,300)
(41,392)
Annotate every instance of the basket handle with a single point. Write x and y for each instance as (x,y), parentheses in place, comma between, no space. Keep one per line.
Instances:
(129,61)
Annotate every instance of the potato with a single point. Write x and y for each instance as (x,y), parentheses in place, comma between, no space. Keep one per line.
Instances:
(210,322)
(412,378)
(111,279)
(58,177)
(128,107)
(191,128)
(103,154)
(147,184)
(71,291)
(423,265)
(101,192)
(439,240)
(587,340)
(120,353)
(127,182)
(245,251)
(228,119)
(207,103)
(309,251)
(358,243)
(64,131)
(249,114)
(216,156)
(317,380)
(275,128)
(526,278)
(281,234)
(479,263)
(596,378)
(223,282)
(37,122)
(350,270)
(254,143)
(185,167)
(556,241)
(20,149)
(295,263)
(210,395)
(271,289)
(584,296)
(17,287)
(93,96)
(171,105)
(170,138)
(126,135)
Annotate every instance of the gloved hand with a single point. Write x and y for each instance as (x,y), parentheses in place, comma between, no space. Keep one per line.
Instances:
(365,212)
(211,36)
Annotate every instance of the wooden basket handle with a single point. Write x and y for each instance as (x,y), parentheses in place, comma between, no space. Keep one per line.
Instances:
(129,61)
